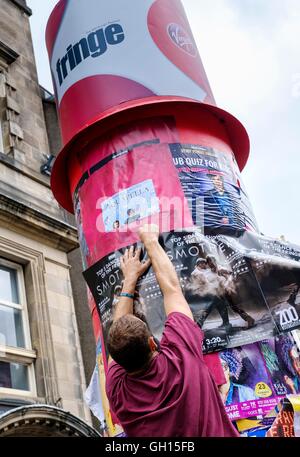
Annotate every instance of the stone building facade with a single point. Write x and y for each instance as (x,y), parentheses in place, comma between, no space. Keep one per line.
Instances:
(46,343)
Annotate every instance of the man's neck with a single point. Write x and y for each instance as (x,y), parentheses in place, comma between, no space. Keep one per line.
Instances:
(145,367)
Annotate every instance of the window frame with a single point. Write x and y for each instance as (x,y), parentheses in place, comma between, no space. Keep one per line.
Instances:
(22,355)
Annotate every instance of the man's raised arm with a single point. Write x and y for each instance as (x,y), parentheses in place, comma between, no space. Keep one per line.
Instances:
(165,273)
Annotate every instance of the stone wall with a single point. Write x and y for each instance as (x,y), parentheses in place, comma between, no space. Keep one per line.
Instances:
(34,231)
(59,370)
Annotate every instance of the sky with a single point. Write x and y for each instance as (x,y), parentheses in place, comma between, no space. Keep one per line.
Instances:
(250,50)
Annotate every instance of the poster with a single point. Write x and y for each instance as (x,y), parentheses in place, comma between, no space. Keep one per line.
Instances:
(214,189)
(258,375)
(223,281)
(130,205)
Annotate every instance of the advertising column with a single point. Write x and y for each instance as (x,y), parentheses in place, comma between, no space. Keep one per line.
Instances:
(144,142)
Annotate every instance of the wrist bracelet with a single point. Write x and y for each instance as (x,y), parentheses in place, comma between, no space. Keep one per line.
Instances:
(124,294)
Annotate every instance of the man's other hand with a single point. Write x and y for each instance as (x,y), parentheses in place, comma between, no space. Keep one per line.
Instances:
(148,233)
(131,266)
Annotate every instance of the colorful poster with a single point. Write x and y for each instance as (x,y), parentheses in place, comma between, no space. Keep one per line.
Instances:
(258,375)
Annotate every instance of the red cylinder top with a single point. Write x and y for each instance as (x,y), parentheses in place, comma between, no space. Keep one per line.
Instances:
(210,124)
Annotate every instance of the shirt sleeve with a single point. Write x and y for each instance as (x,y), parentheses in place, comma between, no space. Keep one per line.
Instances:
(114,375)
(182,331)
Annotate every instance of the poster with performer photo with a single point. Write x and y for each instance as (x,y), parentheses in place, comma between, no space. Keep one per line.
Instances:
(130,205)
(258,375)
(222,281)
(213,187)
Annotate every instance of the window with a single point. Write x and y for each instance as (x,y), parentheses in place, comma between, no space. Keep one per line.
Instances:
(16,355)
(14,376)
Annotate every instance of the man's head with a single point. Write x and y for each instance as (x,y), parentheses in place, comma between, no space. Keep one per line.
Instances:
(218,182)
(130,212)
(201,264)
(130,343)
(116,225)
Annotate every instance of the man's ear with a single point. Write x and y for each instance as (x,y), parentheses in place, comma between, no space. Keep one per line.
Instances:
(152,344)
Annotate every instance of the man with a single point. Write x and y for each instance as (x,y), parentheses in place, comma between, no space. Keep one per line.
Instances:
(167,392)
(132,216)
(220,209)
(208,284)
(116,226)
(229,290)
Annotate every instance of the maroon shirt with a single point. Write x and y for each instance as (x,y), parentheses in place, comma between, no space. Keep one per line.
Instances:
(213,363)
(176,396)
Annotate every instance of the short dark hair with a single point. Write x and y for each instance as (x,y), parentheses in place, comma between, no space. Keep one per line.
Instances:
(128,343)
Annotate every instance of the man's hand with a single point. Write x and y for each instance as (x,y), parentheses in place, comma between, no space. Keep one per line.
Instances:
(131,266)
(148,233)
